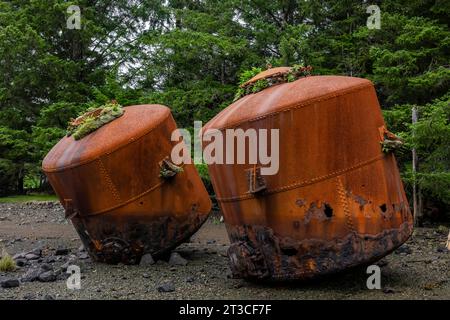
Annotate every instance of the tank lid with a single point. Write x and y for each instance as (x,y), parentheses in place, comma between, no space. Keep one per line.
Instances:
(269,73)
(135,122)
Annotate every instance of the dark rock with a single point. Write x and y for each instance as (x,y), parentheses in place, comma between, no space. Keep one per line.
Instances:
(382,263)
(46,267)
(21,262)
(177,260)
(388,290)
(48,276)
(210,241)
(83,255)
(146,260)
(36,251)
(19,256)
(61,251)
(190,279)
(31,256)
(49,297)
(161,263)
(49,259)
(146,275)
(166,287)
(442,249)
(28,296)
(10,283)
(31,275)
(405,249)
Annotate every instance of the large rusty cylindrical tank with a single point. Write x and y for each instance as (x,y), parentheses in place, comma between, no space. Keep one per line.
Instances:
(337,200)
(111,187)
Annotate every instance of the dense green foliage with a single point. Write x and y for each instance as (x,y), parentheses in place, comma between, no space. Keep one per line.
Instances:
(189,55)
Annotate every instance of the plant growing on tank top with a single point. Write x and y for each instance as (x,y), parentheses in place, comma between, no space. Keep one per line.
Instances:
(296,72)
(93,119)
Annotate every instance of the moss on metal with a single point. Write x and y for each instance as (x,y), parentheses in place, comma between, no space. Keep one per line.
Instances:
(296,72)
(94,119)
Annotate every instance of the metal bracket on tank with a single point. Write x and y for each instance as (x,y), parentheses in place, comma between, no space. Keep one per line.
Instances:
(168,169)
(256,182)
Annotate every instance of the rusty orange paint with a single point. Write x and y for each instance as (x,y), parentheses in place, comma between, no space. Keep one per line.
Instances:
(109,184)
(337,200)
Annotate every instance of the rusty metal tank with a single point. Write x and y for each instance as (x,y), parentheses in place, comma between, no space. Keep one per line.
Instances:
(337,200)
(111,187)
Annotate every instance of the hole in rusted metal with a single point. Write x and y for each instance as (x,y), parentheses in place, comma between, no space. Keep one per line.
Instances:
(300,202)
(141,203)
(383,207)
(328,210)
(289,251)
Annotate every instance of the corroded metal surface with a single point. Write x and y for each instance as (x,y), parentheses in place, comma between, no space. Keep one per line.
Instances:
(337,200)
(111,186)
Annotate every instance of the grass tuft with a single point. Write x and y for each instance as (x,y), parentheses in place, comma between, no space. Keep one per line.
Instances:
(7,263)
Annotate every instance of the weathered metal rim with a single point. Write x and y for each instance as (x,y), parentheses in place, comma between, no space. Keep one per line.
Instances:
(118,147)
(289,107)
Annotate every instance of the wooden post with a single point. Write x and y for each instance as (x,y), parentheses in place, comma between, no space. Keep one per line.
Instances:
(448,241)
(415,164)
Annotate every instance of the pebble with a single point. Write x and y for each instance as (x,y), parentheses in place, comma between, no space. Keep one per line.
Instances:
(146,260)
(388,290)
(21,262)
(404,249)
(48,276)
(31,275)
(166,287)
(61,251)
(10,283)
(177,260)
(31,256)
(83,255)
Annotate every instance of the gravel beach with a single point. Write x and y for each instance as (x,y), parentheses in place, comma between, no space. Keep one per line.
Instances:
(44,244)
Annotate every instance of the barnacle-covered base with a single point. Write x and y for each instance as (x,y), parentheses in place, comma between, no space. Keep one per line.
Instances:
(258,253)
(109,240)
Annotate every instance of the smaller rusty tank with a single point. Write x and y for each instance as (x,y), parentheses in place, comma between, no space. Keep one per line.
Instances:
(120,190)
(336,201)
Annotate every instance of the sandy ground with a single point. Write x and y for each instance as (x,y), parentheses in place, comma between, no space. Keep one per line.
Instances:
(418,270)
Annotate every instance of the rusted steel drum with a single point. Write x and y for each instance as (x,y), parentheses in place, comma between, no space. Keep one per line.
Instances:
(110,186)
(337,200)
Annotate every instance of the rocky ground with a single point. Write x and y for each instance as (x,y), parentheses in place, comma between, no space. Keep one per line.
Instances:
(44,245)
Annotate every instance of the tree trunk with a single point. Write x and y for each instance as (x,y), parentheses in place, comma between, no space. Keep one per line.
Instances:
(20,180)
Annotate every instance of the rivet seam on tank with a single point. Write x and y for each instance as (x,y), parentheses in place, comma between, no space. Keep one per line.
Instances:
(105,176)
(156,186)
(294,106)
(344,203)
(304,183)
